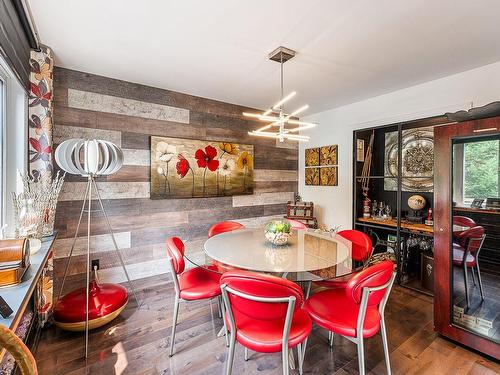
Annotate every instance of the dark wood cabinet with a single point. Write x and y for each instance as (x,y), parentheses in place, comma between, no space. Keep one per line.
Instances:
(445,305)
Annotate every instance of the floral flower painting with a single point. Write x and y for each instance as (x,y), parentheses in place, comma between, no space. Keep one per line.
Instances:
(186,168)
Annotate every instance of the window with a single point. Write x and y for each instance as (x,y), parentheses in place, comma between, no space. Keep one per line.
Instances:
(481,169)
(2,146)
(13,141)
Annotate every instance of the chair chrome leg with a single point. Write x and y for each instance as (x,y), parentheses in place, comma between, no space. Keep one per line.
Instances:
(361,356)
(300,357)
(473,278)
(466,282)
(479,280)
(330,339)
(246,354)
(174,325)
(308,290)
(219,305)
(303,354)
(383,333)
(284,357)
(230,356)
(291,359)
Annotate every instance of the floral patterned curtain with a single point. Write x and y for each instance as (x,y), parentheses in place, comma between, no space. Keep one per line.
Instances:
(40,113)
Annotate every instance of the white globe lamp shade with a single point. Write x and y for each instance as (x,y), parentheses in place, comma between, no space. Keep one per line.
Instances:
(89,157)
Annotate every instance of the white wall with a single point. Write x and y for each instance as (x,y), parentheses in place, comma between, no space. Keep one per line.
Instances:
(333,205)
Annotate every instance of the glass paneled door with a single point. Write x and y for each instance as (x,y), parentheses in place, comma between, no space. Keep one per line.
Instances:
(475,243)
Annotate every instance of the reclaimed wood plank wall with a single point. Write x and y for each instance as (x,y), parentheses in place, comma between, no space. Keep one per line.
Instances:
(127,114)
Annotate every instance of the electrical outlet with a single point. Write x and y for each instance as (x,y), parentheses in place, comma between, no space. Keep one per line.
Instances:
(94,264)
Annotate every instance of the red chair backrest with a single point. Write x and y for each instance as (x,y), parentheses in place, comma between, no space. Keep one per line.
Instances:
(361,244)
(297,224)
(471,239)
(373,276)
(260,285)
(224,226)
(464,221)
(175,251)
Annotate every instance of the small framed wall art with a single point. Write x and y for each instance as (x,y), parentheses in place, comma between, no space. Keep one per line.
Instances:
(321,166)
(312,157)
(328,176)
(328,155)
(312,176)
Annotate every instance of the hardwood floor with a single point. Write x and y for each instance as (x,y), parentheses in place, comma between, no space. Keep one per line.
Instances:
(137,343)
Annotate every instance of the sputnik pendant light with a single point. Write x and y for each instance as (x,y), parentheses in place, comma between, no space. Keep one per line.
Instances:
(275,116)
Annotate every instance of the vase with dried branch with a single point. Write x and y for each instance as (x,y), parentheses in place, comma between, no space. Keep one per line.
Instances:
(35,207)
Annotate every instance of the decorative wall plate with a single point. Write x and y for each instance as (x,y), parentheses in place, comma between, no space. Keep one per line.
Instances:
(417,160)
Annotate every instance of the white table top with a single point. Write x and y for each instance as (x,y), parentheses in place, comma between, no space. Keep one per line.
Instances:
(307,251)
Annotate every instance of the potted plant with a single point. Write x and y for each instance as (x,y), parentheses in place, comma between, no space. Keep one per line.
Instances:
(278,232)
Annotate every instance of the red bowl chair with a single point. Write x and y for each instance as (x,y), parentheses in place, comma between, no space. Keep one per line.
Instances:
(297,224)
(356,312)
(465,254)
(224,226)
(190,285)
(362,250)
(264,314)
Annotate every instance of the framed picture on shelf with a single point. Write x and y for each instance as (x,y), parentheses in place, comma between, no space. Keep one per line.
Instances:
(360,150)
(477,203)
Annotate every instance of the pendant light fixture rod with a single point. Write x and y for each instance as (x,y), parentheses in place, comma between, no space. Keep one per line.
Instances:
(276,115)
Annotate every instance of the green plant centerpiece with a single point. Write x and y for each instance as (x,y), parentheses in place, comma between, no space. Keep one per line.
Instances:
(278,232)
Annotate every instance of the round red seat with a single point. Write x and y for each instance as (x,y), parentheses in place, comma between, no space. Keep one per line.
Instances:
(106,302)
(266,336)
(458,256)
(198,283)
(336,312)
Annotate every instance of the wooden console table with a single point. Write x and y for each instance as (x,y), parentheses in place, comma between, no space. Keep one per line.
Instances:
(412,227)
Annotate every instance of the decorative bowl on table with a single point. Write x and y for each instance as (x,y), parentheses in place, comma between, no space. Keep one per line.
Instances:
(278,232)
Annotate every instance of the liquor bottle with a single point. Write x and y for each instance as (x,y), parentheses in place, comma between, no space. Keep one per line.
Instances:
(429,221)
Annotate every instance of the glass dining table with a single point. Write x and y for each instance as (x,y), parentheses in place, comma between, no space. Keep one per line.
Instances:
(308,256)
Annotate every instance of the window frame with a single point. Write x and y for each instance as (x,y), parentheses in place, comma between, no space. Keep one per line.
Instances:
(468,200)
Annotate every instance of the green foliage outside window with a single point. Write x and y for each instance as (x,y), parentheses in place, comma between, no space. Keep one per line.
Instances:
(481,169)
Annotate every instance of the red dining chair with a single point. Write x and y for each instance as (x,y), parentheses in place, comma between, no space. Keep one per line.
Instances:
(224,226)
(264,314)
(356,312)
(466,253)
(362,250)
(297,224)
(190,285)
(462,221)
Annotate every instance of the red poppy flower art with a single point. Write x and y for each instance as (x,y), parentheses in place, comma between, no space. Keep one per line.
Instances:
(202,168)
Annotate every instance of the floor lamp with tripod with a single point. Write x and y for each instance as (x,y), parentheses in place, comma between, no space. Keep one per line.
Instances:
(98,303)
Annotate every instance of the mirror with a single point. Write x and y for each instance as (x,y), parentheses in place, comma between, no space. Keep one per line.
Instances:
(475,245)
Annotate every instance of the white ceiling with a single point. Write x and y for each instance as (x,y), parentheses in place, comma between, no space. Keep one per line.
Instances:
(347,50)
